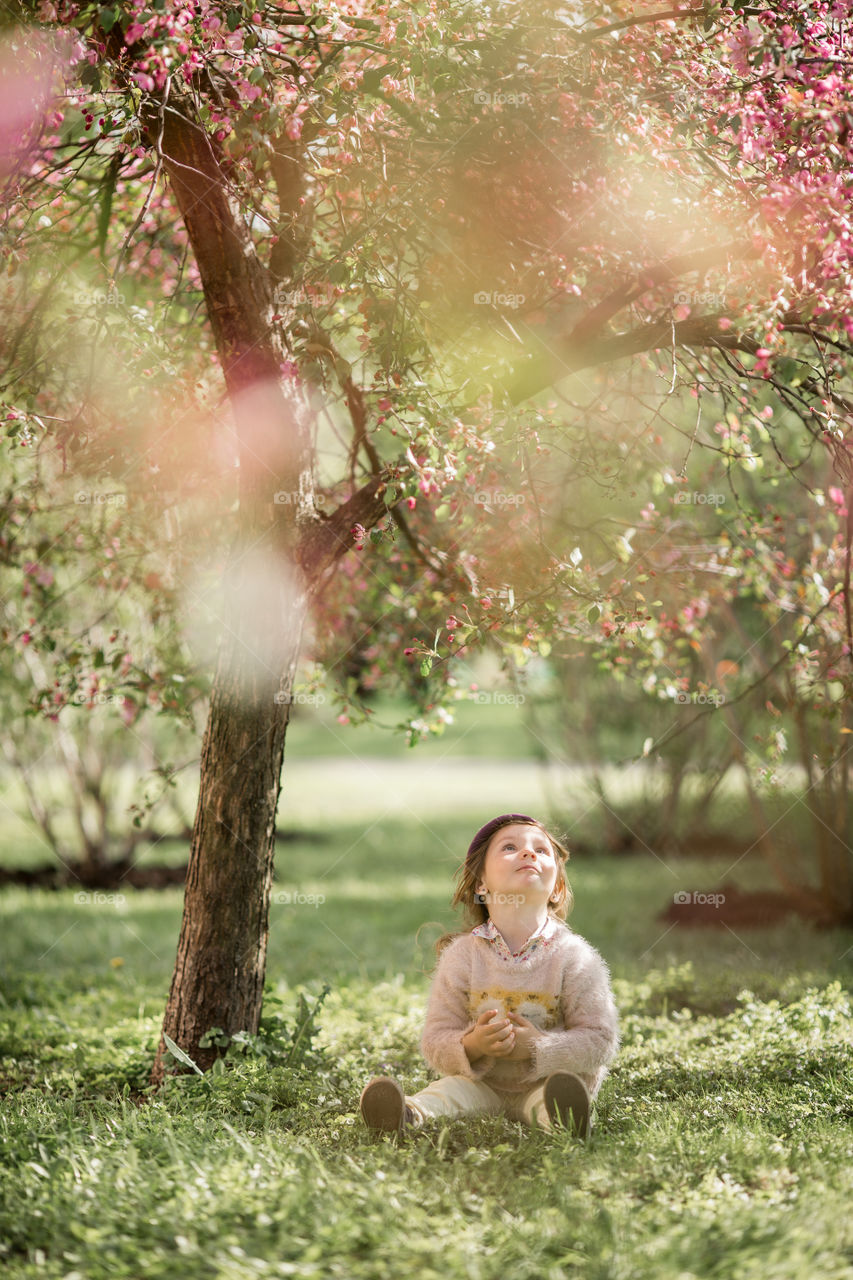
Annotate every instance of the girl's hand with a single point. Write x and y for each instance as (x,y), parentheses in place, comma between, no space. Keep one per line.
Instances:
(526,1034)
(489,1039)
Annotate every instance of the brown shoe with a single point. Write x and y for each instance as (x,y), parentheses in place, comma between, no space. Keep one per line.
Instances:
(383,1105)
(567,1102)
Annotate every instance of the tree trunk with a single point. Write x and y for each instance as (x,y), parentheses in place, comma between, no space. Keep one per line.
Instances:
(219,973)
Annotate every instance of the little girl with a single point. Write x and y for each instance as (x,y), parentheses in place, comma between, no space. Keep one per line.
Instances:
(521,1019)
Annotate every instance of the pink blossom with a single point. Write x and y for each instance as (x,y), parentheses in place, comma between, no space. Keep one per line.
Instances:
(837,497)
(128,710)
(741,45)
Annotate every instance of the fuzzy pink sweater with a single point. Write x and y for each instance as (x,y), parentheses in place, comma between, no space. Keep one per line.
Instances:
(558,981)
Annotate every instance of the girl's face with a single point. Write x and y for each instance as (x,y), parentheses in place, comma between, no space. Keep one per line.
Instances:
(520,865)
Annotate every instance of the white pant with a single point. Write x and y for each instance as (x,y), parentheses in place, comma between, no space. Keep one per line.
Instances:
(460,1096)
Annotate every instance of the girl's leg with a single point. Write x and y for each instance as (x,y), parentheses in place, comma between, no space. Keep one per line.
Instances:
(454,1096)
(561,1094)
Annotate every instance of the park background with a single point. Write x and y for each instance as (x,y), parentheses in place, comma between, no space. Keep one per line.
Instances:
(722,1144)
(507,348)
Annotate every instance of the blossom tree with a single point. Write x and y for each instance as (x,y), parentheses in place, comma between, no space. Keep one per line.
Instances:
(342,294)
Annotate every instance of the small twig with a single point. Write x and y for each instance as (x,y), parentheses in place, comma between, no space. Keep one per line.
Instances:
(154,179)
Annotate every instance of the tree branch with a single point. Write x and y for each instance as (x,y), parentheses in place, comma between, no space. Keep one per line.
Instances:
(666,15)
(595,319)
(549,364)
(332,537)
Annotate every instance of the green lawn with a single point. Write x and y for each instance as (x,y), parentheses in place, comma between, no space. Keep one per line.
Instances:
(723,1144)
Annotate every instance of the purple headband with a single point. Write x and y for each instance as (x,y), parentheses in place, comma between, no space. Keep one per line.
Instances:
(505,820)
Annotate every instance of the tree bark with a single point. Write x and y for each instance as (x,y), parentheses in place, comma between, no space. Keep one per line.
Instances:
(219,972)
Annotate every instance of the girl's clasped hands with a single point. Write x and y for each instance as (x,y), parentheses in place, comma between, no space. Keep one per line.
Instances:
(496,1037)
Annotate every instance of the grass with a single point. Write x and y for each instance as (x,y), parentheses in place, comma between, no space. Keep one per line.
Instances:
(722,1148)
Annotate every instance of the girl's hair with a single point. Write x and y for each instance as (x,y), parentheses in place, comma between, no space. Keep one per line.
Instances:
(470,873)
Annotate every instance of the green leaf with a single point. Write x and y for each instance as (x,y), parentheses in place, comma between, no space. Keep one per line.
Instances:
(107,18)
(371,79)
(339,271)
(232,19)
(90,76)
(108,187)
(214,1038)
(593,614)
(183,1058)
